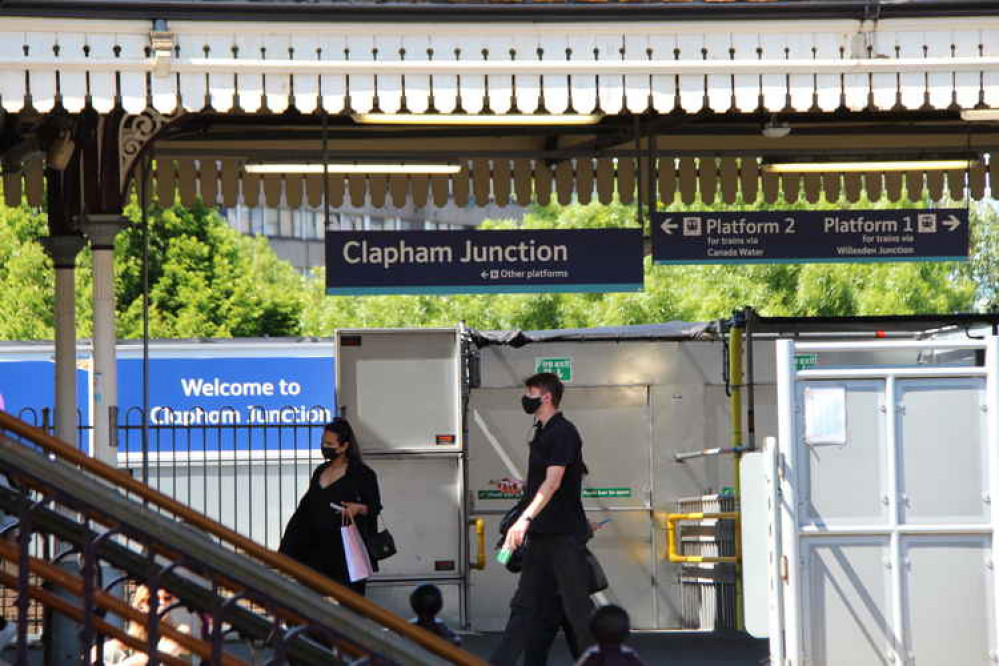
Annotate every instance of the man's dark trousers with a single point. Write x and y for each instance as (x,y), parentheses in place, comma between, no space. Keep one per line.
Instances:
(515,635)
(555,569)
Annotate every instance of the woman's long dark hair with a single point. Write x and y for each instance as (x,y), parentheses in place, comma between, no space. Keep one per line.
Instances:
(341,428)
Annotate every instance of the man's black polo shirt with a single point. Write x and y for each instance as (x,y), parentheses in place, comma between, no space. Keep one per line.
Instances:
(558,443)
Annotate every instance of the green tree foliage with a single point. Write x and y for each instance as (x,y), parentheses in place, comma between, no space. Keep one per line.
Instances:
(206,279)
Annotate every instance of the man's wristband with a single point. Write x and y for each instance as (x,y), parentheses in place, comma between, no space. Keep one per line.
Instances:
(528,518)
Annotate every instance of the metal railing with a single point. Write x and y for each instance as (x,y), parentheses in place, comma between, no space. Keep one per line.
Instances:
(103,518)
(701,540)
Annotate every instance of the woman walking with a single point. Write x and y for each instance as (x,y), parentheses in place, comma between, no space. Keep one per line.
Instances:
(343,490)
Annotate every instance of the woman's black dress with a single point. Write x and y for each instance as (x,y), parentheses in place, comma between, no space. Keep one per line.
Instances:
(313,534)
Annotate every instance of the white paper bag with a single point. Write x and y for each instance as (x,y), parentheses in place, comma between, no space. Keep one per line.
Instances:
(358,562)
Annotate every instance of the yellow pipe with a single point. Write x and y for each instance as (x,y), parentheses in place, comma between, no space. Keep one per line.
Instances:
(735,414)
(672,545)
(480,537)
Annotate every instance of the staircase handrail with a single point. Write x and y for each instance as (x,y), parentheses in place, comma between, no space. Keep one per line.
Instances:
(277,561)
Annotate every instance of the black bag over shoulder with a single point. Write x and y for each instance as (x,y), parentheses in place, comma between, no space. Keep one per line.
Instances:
(598,579)
(381,545)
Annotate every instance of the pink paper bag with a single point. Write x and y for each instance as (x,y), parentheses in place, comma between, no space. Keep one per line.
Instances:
(358,562)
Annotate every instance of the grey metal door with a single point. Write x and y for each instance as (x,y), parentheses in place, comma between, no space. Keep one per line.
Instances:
(886,473)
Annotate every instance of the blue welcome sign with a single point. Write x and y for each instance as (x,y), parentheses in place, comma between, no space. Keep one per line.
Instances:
(452,262)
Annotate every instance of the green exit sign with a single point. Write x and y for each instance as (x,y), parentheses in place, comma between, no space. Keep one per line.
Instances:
(805,361)
(558,366)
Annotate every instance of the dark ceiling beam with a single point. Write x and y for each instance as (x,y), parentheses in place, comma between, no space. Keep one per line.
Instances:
(395,11)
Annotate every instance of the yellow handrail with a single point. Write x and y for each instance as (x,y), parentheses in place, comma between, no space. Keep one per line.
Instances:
(673,519)
(480,537)
(313,579)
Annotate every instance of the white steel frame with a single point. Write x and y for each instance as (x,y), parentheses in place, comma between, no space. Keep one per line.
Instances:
(788,612)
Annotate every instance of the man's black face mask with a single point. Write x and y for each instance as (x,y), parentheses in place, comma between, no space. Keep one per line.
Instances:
(530,404)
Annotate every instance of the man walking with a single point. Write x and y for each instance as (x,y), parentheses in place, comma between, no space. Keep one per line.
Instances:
(555,569)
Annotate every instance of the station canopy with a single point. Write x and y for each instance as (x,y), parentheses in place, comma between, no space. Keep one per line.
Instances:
(524,102)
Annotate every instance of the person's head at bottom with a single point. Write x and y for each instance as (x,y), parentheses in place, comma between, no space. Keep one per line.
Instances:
(426,601)
(610,625)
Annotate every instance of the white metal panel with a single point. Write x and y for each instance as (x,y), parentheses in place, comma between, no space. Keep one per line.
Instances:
(584,86)
(277,86)
(755,531)
(102,85)
(132,81)
(719,47)
(500,85)
(446,49)
(250,87)
(72,85)
(528,88)
(663,85)
(943,574)
(944,466)
(636,86)
(473,86)
(41,48)
(827,86)
(417,85)
(990,79)
(305,85)
(863,459)
(847,597)
(12,81)
(556,86)
(610,86)
(774,86)
(389,85)
(361,87)
(333,86)
(221,85)
(938,44)
(401,406)
(856,85)
(692,92)
(884,87)
(914,84)
(421,500)
(966,84)
(747,86)
(193,87)
(801,86)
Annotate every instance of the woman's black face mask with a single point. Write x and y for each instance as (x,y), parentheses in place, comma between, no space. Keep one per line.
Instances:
(330,453)
(530,404)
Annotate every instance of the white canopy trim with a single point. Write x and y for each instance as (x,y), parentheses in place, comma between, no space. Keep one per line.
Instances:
(746,66)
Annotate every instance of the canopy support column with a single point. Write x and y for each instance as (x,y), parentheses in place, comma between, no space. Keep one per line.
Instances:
(101,230)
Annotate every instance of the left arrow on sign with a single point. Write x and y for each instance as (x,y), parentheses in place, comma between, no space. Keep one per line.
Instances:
(668,226)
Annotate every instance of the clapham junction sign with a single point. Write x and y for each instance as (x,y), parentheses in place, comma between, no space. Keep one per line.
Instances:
(791,236)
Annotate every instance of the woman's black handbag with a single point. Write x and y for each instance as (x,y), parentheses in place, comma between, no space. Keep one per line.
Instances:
(381,545)
(598,579)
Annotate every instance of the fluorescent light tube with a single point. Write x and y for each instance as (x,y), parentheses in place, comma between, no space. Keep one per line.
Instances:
(389,169)
(895,165)
(974,115)
(506,119)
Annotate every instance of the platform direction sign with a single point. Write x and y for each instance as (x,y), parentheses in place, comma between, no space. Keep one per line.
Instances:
(454,262)
(797,236)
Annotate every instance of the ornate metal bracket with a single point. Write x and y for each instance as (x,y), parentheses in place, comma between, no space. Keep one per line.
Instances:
(134,134)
